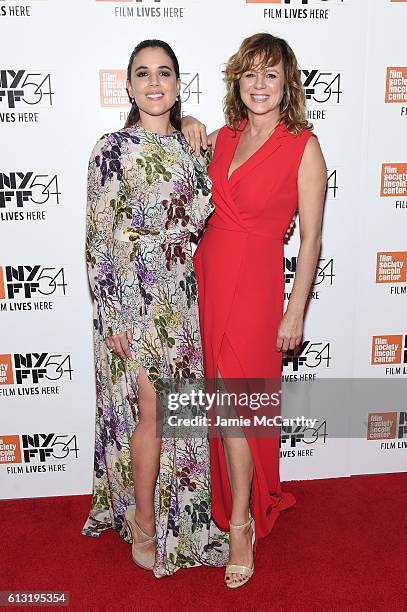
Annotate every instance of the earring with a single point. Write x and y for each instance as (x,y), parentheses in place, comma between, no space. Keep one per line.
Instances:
(133,100)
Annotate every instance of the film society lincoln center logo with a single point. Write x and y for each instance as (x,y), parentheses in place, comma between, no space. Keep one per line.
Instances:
(388,426)
(113,94)
(391,268)
(393,180)
(37,452)
(390,351)
(396,86)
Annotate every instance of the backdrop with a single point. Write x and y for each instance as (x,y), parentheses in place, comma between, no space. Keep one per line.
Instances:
(62,85)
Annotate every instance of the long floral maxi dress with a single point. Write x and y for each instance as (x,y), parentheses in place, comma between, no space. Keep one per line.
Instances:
(146,194)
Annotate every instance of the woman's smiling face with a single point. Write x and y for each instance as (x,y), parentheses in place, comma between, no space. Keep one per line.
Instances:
(153,83)
(262,88)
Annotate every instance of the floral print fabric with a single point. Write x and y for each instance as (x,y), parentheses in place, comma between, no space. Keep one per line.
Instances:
(147,194)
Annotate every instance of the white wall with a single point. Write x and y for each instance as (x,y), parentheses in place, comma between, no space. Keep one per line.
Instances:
(63,48)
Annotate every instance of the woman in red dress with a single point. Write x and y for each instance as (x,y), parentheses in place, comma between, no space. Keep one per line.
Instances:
(266,162)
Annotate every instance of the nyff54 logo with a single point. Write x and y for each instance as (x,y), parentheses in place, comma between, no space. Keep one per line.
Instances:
(34,368)
(28,188)
(19,87)
(332,186)
(38,448)
(308,355)
(25,282)
(322,87)
(324,271)
(294,434)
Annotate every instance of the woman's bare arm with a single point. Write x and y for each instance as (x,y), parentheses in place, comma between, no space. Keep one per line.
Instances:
(195,133)
(311,198)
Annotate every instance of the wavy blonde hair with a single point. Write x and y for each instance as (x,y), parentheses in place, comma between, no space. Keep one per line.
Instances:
(264,50)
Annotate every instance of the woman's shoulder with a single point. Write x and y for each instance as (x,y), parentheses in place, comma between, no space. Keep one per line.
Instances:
(297,134)
(101,141)
(114,140)
(298,141)
(221,136)
(304,135)
(105,141)
(308,133)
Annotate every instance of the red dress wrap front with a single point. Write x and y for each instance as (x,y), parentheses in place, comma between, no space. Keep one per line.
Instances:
(239,268)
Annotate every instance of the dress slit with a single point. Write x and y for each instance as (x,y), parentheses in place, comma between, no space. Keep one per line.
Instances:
(240,273)
(229,363)
(138,250)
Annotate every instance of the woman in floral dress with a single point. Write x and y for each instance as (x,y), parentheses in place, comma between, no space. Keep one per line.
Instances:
(147,193)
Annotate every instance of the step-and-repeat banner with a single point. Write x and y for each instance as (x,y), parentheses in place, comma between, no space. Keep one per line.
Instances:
(62,85)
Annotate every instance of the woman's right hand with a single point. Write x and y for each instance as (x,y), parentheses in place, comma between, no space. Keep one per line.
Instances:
(195,133)
(120,344)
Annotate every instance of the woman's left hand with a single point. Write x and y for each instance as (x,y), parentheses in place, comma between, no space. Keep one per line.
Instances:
(290,331)
(195,133)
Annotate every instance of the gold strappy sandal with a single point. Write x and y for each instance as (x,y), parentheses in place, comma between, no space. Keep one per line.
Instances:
(146,559)
(240,569)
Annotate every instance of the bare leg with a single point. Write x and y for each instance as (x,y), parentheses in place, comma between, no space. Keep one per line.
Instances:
(240,471)
(145,457)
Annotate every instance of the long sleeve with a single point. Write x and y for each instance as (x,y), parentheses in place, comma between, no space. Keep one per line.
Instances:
(104,189)
(202,204)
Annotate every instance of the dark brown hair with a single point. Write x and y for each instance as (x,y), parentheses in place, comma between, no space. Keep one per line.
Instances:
(175,113)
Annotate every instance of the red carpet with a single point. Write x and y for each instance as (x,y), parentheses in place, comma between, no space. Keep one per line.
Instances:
(342,547)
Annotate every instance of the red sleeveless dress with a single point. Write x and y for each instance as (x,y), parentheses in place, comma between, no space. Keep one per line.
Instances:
(239,268)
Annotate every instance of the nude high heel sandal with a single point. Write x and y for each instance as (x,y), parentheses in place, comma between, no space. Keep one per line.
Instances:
(140,558)
(240,569)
